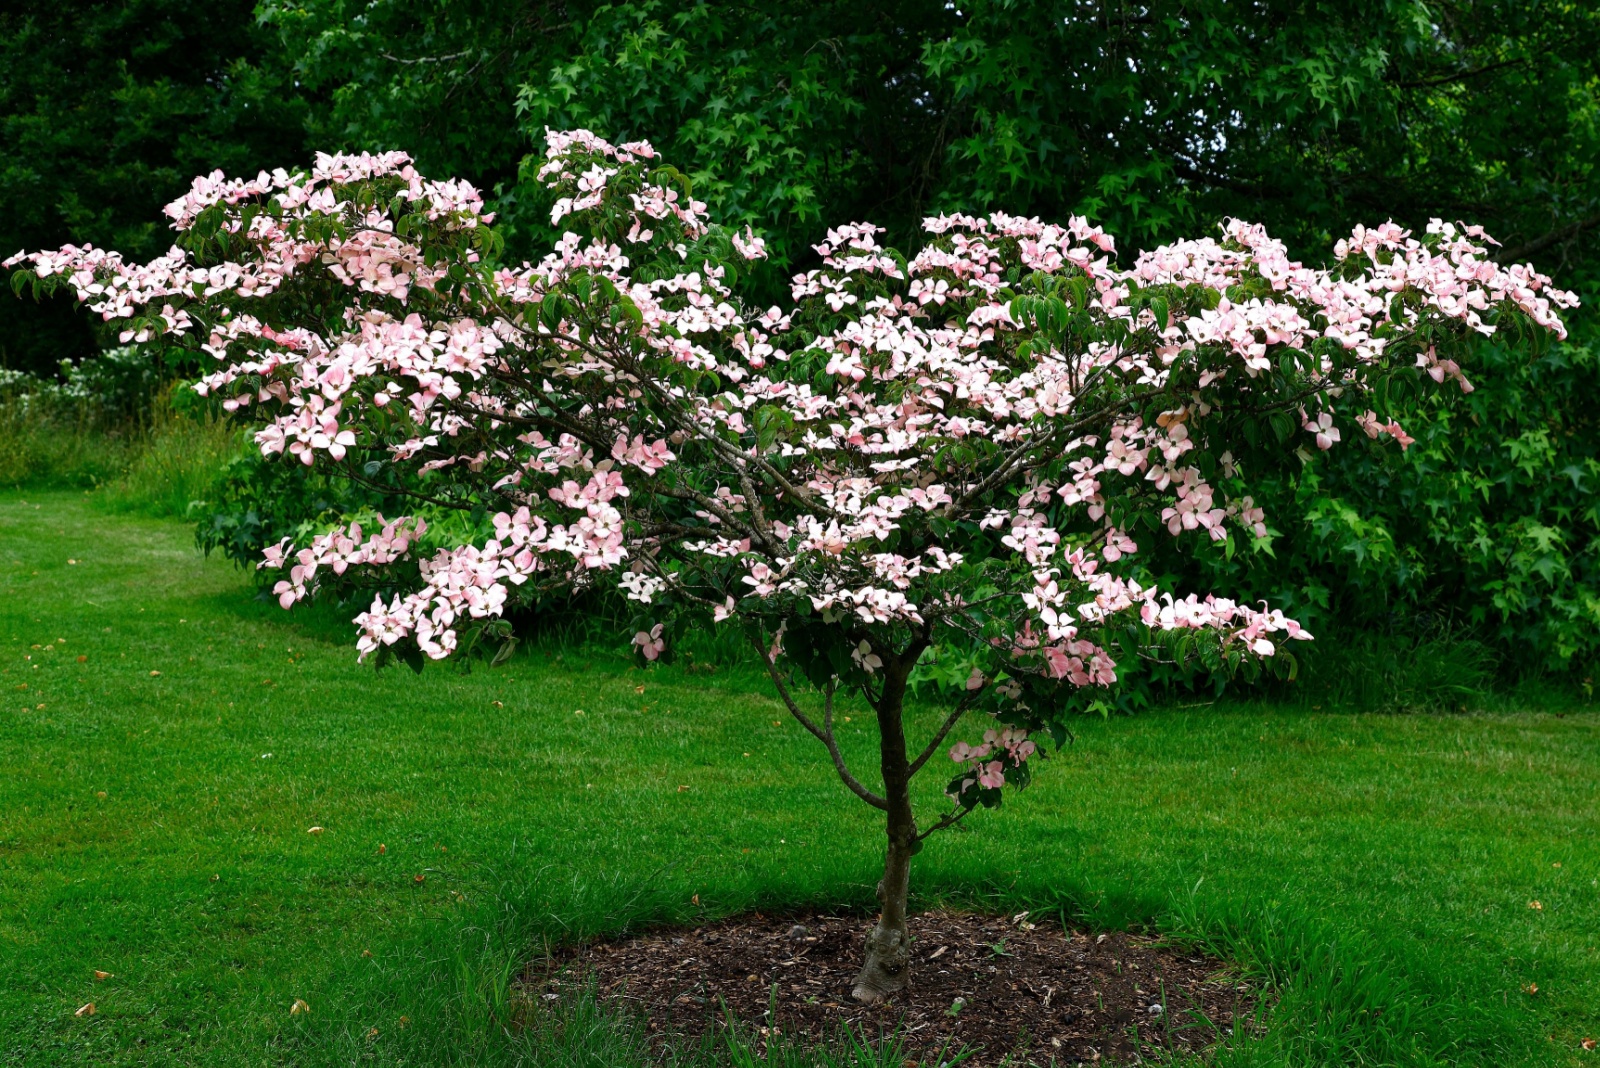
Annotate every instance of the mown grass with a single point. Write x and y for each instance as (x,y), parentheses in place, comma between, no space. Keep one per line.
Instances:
(1374,871)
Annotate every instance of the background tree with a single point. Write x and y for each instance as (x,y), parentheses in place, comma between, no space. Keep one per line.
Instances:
(936,462)
(1156,121)
(107,109)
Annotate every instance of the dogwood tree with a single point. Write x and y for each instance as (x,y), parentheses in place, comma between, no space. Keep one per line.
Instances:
(940,462)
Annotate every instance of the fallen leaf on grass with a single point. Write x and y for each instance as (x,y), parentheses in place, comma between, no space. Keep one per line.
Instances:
(1587,1043)
(1536,906)
(98,974)
(372,1033)
(1531,989)
(155,674)
(313,830)
(419,878)
(298,1007)
(87,1010)
(382,849)
(405,1021)
(366,953)
(83,660)
(681,789)
(101,794)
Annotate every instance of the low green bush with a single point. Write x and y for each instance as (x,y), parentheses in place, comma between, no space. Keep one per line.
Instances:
(1486,528)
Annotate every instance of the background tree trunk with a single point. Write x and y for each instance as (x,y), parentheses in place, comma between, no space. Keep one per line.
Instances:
(886,967)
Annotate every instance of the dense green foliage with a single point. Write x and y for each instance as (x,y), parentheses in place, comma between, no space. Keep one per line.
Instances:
(108,108)
(1307,116)
(1488,527)
(1375,870)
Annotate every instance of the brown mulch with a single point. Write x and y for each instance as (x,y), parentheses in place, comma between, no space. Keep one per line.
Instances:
(996,985)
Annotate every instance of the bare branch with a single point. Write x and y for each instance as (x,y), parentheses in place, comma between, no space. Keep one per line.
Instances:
(945,728)
(825,737)
(425,59)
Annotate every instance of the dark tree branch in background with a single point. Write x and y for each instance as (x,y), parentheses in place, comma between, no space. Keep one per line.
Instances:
(1554,237)
(1465,75)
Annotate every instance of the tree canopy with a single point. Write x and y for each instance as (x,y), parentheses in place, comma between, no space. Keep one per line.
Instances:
(1152,119)
(108,108)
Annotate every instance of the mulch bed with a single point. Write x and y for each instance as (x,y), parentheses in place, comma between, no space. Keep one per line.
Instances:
(997,985)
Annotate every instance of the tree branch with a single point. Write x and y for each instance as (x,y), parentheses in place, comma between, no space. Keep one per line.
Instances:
(949,819)
(825,737)
(1538,244)
(944,729)
(1463,75)
(426,59)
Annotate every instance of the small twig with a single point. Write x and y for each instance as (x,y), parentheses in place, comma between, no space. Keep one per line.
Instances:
(949,819)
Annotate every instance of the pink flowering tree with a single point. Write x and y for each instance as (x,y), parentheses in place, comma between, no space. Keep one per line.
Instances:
(938,463)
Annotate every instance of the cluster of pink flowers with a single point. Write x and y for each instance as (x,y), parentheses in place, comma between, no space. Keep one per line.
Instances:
(941,430)
(337,551)
(988,761)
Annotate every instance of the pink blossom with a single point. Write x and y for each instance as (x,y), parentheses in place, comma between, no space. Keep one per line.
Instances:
(650,643)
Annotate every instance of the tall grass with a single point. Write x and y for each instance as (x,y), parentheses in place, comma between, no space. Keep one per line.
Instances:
(1443,671)
(174,461)
(155,463)
(58,445)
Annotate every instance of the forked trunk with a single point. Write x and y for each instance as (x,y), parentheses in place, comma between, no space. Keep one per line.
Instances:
(886,969)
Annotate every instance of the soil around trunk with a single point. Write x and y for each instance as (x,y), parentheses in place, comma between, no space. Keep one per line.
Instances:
(998,986)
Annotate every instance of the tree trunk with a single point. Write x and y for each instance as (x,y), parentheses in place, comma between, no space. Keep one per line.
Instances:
(886,969)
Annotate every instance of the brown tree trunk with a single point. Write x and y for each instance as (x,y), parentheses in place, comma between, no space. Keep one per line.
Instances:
(886,969)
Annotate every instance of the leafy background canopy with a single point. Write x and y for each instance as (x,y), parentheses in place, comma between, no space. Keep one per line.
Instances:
(1154,120)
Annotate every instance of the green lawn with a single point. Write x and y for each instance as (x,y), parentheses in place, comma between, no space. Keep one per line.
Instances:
(1377,871)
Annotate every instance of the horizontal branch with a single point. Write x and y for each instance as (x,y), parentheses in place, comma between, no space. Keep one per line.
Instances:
(1544,241)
